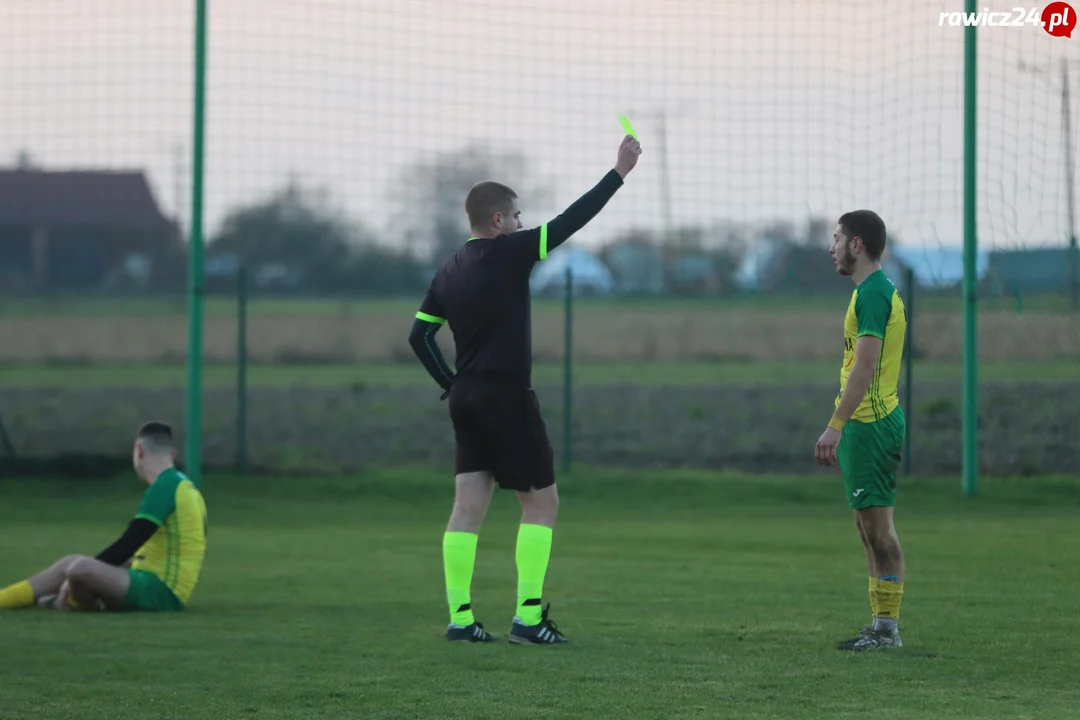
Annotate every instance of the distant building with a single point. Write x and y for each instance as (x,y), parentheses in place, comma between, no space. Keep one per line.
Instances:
(1031,271)
(82,230)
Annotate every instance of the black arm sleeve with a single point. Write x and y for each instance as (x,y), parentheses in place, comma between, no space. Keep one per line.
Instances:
(138,532)
(582,211)
(422,340)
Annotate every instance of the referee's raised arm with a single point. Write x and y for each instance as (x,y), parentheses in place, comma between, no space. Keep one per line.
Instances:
(586,207)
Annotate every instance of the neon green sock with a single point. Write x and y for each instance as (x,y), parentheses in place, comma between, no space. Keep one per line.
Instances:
(459,559)
(533,553)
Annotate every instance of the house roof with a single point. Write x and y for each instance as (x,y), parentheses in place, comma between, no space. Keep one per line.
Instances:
(65,199)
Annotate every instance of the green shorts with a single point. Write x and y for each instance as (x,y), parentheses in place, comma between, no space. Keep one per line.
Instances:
(869,455)
(148,592)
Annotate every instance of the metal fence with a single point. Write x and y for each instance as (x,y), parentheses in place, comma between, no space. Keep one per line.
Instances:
(341,138)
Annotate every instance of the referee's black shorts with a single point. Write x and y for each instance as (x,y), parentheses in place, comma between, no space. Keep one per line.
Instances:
(499,429)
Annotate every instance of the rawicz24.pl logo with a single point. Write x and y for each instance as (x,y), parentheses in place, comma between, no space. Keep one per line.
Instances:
(1057,18)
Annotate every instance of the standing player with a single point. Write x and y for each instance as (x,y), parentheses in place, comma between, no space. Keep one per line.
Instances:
(154,565)
(866,432)
(483,293)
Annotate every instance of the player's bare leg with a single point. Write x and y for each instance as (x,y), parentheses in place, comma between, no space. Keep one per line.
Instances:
(540,507)
(871,564)
(871,569)
(48,581)
(539,510)
(885,562)
(94,585)
(880,532)
(44,585)
(78,578)
(472,497)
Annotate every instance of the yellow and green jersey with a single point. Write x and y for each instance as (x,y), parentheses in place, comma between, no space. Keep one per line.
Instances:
(875,309)
(175,551)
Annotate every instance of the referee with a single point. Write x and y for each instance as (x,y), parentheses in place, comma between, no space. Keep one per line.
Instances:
(483,293)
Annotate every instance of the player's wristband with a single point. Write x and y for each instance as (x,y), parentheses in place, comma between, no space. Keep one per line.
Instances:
(445,394)
(837,424)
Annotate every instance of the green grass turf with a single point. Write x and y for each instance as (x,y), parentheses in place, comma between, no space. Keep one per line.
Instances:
(97,306)
(686,595)
(778,372)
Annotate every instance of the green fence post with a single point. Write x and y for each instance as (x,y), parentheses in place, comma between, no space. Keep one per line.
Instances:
(241,370)
(568,340)
(1074,274)
(970,441)
(909,366)
(193,439)
(5,440)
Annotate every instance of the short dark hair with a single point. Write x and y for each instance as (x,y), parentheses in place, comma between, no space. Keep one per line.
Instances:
(867,225)
(157,435)
(485,199)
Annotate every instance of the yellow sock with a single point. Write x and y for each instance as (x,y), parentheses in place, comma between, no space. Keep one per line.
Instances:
(873,596)
(19,595)
(889,595)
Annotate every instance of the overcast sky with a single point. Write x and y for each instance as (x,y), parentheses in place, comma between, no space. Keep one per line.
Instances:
(776,110)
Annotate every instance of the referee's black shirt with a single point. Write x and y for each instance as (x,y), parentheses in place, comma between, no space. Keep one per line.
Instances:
(482,292)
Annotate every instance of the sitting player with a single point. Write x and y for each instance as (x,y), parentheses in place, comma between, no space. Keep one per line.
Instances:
(154,565)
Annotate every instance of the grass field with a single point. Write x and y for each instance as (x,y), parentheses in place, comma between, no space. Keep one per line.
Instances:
(686,595)
(754,416)
(411,374)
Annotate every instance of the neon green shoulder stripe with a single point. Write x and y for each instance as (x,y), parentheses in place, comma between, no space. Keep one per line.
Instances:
(543,241)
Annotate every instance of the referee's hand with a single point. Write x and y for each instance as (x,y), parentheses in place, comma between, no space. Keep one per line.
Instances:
(628,155)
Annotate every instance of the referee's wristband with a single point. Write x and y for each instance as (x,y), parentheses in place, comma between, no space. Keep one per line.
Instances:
(837,424)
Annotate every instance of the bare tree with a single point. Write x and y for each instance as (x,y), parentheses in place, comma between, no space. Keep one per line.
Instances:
(299,229)
(430,196)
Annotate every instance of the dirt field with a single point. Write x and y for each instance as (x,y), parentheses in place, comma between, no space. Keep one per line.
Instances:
(1024,429)
(600,333)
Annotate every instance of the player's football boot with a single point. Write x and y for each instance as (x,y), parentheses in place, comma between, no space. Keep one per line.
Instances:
(469,633)
(874,639)
(545,633)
